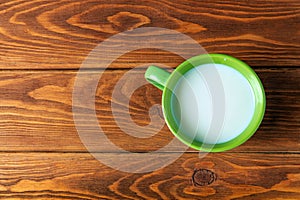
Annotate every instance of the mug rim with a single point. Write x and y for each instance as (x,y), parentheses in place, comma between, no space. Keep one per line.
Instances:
(240,66)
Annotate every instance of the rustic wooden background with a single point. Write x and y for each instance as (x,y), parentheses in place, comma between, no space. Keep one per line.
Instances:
(44,42)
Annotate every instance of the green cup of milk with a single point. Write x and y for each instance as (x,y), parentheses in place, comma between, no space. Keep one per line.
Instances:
(211,102)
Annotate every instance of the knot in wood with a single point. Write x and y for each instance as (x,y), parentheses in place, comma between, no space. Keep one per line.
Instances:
(203,177)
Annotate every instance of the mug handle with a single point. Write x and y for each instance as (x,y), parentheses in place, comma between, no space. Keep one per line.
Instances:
(157,76)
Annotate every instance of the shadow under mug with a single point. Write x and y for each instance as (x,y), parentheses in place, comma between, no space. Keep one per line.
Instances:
(167,82)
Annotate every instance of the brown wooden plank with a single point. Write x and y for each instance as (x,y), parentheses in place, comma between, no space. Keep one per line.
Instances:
(45,34)
(36,111)
(80,176)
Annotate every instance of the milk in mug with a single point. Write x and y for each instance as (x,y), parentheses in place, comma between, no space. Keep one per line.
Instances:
(193,109)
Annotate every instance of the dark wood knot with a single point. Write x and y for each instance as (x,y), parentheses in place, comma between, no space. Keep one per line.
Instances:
(203,177)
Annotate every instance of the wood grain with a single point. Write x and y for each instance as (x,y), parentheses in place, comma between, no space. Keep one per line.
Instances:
(45,34)
(36,111)
(80,176)
(44,42)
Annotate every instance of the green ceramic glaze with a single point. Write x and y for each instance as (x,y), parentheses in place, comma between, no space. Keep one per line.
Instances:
(167,81)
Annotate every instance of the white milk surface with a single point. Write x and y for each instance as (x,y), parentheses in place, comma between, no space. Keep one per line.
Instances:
(195,110)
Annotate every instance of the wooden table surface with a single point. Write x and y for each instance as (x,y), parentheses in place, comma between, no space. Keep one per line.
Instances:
(43,44)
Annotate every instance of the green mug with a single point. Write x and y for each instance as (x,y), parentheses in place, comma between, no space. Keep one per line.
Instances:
(210,102)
